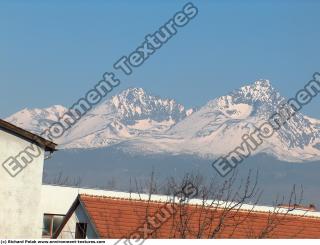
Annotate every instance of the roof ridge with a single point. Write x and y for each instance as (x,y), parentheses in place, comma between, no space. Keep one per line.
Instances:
(119,198)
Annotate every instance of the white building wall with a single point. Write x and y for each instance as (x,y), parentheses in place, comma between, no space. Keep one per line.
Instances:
(69,229)
(58,199)
(20,196)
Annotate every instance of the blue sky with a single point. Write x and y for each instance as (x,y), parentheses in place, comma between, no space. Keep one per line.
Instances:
(52,52)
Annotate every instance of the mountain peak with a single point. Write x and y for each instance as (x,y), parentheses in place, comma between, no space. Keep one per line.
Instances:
(134,104)
(57,108)
(133,91)
(260,90)
(262,83)
(139,96)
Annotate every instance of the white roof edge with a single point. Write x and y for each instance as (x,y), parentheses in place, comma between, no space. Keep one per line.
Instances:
(208,203)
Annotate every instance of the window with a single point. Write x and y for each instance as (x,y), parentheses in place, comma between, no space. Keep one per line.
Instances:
(81,231)
(51,223)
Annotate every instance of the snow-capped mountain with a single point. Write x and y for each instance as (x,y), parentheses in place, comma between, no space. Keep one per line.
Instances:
(132,113)
(138,122)
(218,126)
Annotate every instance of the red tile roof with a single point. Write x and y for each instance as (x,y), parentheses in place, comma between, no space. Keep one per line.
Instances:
(125,218)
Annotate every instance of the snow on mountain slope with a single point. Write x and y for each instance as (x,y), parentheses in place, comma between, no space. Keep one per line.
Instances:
(37,120)
(138,122)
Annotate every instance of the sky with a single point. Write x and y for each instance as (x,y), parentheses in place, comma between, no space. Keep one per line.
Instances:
(53,52)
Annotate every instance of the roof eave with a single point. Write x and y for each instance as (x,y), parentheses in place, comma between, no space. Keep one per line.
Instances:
(42,142)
